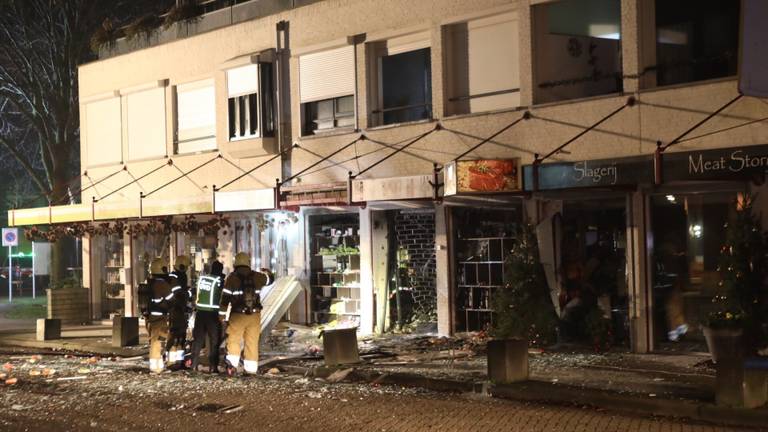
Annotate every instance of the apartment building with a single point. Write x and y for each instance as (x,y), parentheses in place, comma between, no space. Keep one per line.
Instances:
(384,151)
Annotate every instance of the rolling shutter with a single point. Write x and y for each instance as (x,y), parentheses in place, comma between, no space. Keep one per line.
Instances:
(146,124)
(494,53)
(327,74)
(243,80)
(196,111)
(103,132)
(411,42)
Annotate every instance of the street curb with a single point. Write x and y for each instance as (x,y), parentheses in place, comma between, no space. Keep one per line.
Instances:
(62,345)
(559,394)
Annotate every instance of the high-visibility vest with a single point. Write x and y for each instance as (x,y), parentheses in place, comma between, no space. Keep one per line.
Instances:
(208,293)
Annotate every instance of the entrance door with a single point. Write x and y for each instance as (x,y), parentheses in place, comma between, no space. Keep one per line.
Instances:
(594,297)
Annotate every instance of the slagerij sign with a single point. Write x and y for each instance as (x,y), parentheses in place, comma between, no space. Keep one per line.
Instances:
(591,173)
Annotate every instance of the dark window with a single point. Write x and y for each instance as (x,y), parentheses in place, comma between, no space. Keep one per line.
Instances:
(696,40)
(328,114)
(251,116)
(406,82)
(578,49)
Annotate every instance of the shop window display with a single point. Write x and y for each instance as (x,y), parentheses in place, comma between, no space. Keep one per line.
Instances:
(484,239)
(687,236)
(112,285)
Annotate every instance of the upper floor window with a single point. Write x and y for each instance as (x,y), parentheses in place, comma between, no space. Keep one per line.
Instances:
(195,117)
(483,59)
(327,88)
(250,105)
(401,84)
(577,49)
(695,40)
(103,132)
(145,128)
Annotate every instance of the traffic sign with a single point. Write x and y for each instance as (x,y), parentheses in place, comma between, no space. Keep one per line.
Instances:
(10,236)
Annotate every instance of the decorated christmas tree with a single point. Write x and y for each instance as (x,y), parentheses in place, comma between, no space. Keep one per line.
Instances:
(743,295)
(523,308)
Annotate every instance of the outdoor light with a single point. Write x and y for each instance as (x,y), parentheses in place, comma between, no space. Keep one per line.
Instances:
(695,231)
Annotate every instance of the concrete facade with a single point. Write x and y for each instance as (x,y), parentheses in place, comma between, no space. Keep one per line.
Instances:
(660,114)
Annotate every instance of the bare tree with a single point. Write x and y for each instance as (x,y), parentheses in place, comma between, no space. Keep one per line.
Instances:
(41,44)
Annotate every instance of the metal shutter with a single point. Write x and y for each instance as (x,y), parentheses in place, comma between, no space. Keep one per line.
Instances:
(327,74)
(146,124)
(103,132)
(196,116)
(243,80)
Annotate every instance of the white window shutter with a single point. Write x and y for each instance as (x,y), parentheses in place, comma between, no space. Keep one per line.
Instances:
(410,42)
(327,74)
(494,55)
(243,80)
(103,132)
(146,124)
(196,116)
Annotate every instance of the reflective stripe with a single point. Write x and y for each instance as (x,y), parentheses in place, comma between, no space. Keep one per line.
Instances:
(169,296)
(234,360)
(222,312)
(156,313)
(270,278)
(173,276)
(226,291)
(176,288)
(251,366)
(237,292)
(157,300)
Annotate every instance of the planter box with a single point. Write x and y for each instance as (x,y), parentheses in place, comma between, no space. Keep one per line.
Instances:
(71,306)
(507,361)
(723,344)
(340,347)
(125,331)
(48,329)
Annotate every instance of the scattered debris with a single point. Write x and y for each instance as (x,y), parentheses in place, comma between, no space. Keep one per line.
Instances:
(339,375)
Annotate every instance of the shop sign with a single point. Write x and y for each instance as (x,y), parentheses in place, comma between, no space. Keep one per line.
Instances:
(482,176)
(394,188)
(591,173)
(255,199)
(719,164)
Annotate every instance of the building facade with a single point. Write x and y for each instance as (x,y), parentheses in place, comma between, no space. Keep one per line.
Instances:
(330,136)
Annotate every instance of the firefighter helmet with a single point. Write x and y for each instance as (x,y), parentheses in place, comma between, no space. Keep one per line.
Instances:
(242,259)
(181,260)
(156,266)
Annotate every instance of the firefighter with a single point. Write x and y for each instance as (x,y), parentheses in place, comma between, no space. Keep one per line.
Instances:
(242,290)
(178,313)
(207,301)
(155,296)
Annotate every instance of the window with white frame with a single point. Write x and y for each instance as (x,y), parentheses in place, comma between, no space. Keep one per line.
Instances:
(103,132)
(401,84)
(250,105)
(195,117)
(483,57)
(145,128)
(327,88)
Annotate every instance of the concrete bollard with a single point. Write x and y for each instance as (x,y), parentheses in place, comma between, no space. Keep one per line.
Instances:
(125,331)
(340,346)
(507,360)
(48,329)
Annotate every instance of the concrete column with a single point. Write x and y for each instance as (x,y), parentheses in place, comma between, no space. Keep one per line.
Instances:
(639,281)
(130,301)
(380,250)
(527,78)
(436,54)
(92,274)
(444,270)
(630,44)
(366,272)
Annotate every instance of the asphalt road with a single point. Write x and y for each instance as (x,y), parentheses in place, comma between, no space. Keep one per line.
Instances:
(119,395)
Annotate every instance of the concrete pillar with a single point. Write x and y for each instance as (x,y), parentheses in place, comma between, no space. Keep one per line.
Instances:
(366,272)
(380,251)
(444,270)
(130,302)
(630,44)
(639,257)
(92,274)
(527,75)
(436,54)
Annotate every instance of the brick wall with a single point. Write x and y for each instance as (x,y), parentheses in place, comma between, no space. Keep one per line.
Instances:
(416,234)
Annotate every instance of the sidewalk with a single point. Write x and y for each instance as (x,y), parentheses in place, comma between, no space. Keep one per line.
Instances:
(90,339)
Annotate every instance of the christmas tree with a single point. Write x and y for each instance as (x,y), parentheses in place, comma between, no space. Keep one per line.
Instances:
(523,308)
(742,297)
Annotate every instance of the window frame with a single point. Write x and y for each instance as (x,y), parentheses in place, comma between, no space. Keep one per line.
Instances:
(336,115)
(264,96)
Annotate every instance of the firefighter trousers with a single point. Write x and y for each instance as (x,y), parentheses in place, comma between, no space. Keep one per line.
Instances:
(157,328)
(206,324)
(244,328)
